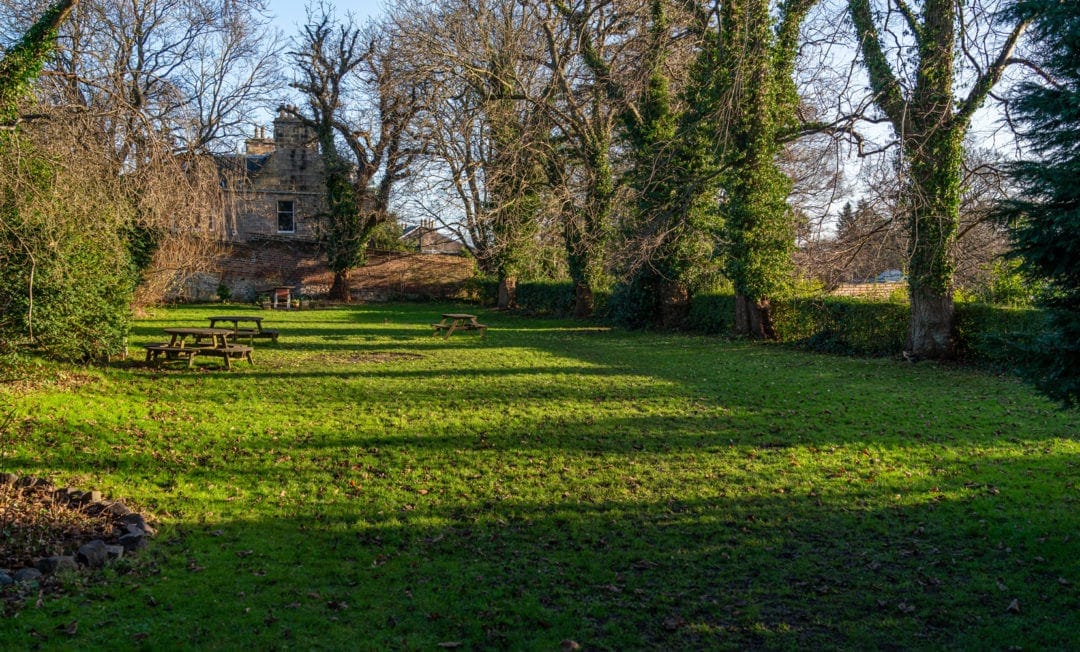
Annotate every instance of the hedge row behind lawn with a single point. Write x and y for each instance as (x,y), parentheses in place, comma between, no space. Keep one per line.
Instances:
(988,335)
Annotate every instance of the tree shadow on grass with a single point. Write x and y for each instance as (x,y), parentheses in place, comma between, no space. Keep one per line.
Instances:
(727,570)
(472,520)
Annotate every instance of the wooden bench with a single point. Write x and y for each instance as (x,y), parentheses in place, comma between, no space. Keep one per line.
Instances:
(226,353)
(455,321)
(154,351)
(448,328)
(230,351)
(252,333)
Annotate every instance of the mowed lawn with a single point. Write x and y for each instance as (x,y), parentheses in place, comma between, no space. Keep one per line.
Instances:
(368,486)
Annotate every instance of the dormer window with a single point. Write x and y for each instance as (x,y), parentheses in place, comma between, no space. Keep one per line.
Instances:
(286,217)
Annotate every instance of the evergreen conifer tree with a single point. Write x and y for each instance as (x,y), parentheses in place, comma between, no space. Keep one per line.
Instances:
(1045,216)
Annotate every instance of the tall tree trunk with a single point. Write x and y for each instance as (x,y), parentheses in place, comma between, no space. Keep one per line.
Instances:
(931,122)
(584,301)
(674,304)
(932,222)
(757,74)
(507,292)
(754,318)
(340,290)
(930,328)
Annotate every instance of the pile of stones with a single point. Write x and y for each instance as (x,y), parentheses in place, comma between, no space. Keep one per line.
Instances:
(130,531)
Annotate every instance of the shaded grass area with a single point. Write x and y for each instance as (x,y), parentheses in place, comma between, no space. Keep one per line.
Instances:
(366,485)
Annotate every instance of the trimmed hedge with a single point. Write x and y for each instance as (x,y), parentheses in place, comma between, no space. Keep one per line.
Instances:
(992,335)
(547,298)
(842,325)
(998,336)
(554,298)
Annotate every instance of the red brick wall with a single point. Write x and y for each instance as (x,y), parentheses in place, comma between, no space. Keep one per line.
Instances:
(251,269)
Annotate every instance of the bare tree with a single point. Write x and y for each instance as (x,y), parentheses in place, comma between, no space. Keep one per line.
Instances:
(190,69)
(360,106)
(490,136)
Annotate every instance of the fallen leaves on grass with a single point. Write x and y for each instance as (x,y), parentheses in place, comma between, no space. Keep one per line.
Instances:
(35,526)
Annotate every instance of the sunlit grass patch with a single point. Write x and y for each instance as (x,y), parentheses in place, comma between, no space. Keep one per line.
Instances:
(365,484)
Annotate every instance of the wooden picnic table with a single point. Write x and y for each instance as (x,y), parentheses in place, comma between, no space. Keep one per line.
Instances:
(218,336)
(452,321)
(249,332)
(178,346)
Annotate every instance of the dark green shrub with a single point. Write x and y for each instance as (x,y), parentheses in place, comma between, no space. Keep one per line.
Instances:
(66,278)
(81,300)
(843,325)
(635,303)
(548,298)
(554,298)
(712,314)
(1001,336)
(483,290)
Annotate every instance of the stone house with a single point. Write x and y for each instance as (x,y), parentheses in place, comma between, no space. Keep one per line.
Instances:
(426,239)
(276,188)
(274,193)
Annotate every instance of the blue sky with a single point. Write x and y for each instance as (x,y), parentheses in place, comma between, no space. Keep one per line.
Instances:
(290,14)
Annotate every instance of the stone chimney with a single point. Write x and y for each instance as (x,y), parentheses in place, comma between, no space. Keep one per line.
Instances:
(259,144)
(290,132)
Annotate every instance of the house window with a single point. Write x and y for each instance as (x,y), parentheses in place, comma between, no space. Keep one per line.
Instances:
(286,216)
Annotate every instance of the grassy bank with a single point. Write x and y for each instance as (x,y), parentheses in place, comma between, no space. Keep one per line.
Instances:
(365,485)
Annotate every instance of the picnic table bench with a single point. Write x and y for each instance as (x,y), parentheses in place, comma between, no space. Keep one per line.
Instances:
(453,321)
(219,346)
(249,332)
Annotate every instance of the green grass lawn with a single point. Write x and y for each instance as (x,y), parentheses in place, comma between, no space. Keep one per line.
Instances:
(368,486)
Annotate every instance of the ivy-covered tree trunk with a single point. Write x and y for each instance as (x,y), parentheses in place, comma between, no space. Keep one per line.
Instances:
(930,123)
(755,80)
(587,231)
(343,235)
(933,144)
(21,63)
(933,199)
(513,176)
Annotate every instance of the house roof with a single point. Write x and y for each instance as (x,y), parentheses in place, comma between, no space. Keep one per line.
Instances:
(246,164)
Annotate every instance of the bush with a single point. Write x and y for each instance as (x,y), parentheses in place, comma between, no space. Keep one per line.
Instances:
(712,314)
(483,290)
(843,325)
(80,303)
(999,336)
(1006,286)
(554,298)
(66,277)
(635,303)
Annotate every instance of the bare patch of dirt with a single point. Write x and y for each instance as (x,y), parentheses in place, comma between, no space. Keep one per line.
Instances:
(33,525)
(428,275)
